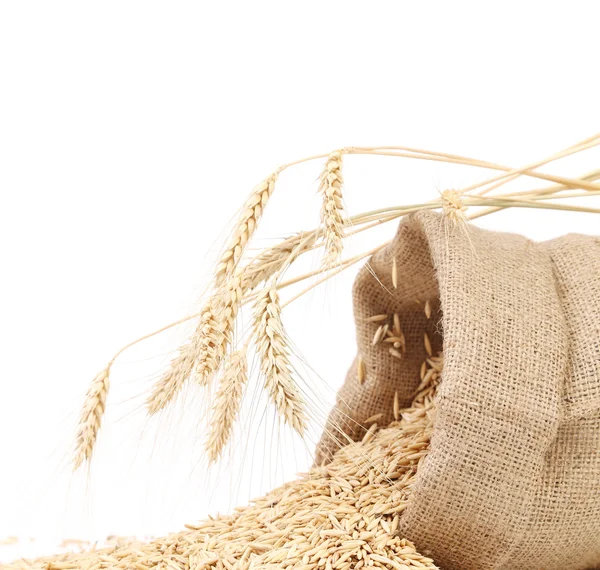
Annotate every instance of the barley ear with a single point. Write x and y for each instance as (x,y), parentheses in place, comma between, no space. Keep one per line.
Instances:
(208,339)
(272,349)
(454,208)
(172,381)
(245,227)
(227,403)
(226,304)
(197,357)
(273,260)
(91,418)
(332,210)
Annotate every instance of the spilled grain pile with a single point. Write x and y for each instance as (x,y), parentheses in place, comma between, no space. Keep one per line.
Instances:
(341,516)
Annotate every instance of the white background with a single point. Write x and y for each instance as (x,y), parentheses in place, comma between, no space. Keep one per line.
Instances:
(131,132)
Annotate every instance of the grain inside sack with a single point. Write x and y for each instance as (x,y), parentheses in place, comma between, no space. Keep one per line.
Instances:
(512,478)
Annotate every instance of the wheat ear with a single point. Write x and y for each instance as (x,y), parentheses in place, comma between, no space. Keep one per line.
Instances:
(197,351)
(91,418)
(227,403)
(208,342)
(453,206)
(204,352)
(218,336)
(272,260)
(169,385)
(273,351)
(332,210)
(251,214)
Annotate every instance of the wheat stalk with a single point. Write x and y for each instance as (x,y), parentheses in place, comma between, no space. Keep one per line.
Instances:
(273,352)
(227,403)
(491,205)
(91,418)
(245,227)
(332,210)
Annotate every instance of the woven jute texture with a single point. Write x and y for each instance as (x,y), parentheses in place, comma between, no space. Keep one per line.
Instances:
(512,478)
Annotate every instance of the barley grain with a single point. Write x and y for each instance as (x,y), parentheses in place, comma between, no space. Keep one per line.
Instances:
(397,328)
(394,273)
(374,418)
(393,339)
(377,318)
(427,343)
(370,433)
(361,370)
(395,353)
(428,309)
(379,334)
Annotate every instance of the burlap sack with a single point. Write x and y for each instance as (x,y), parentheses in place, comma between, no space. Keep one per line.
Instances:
(512,479)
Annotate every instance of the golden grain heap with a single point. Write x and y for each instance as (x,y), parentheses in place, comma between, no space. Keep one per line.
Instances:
(341,516)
